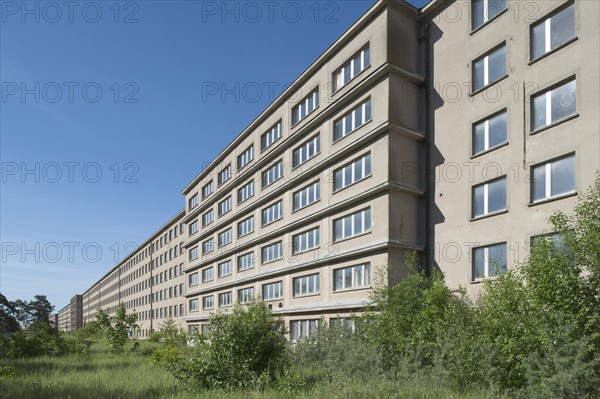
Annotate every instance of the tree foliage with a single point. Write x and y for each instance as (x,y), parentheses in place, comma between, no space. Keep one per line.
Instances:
(117,329)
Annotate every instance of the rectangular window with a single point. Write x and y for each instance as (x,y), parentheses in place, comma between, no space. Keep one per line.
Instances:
(489,68)
(485,10)
(193,202)
(553,179)
(307,105)
(225,299)
(271,252)
(306,151)
(307,196)
(194,253)
(193,279)
(553,105)
(305,241)
(246,295)
(489,261)
(490,132)
(553,31)
(245,262)
(207,189)
(224,268)
(358,276)
(352,225)
(271,136)
(352,68)
(207,274)
(245,192)
(300,329)
(246,226)
(272,213)
(224,206)
(208,246)
(352,120)
(193,229)
(208,218)
(207,302)
(489,197)
(352,173)
(272,291)
(307,285)
(194,305)
(224,174)
(272,174)
(245,157)
(225,237)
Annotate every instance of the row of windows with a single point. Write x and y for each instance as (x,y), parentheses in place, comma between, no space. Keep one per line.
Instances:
(351,277)
(549,180)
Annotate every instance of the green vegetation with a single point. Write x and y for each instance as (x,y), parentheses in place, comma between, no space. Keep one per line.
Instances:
(534,332)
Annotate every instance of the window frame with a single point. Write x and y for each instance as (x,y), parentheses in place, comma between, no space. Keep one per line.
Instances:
(486,198)
(548,177)
(486,65)
(547,34)
(350,62)
(544,92)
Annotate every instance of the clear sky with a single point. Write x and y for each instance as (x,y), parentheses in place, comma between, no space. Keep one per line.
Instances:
(109,111)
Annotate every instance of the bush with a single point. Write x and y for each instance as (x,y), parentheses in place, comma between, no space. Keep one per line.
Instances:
(117,329)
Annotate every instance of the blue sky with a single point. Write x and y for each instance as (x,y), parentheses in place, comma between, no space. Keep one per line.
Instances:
(105,117)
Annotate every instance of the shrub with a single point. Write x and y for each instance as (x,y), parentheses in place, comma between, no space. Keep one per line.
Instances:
(118,328)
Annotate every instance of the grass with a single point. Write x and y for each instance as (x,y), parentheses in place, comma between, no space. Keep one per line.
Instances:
(102,375)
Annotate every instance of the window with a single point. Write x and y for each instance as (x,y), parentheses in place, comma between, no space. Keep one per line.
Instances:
(225,299)
(553,32)
(553,179)
(208,246)
(224,174)
(193,279)
(245,157)
(556,240)
(272,291)
(245,192)
(358,276)
(352,225)
(272,174)
(208,218)
(271,136)
(352,172)
(489,68)
(272,213)
(554,105)
(225,237)
(194,253)
(207,302)
(306,151)
(193,229)
(246,226)
(193,202)
(352,68)
(489,198)
(194,305)
(246,261)
(207,274)
(305,106)
(246,295)
(307,285)
(224,206)
(489,261)
(271,252)
(303,329)
(490,133)
(307,196)
(352,120)
(224,268)
(485,10)
(207,189)
(305,241)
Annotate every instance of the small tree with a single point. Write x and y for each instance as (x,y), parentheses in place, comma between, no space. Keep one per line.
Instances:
(118,328)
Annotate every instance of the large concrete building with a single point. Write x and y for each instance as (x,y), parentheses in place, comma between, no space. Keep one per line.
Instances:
(454,131)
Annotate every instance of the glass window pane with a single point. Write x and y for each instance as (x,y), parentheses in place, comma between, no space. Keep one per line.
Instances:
(478,263)
(368,220)
(368,165)
(368,111)
(358,224)
(562,27)
(539,183)
(348,226)
(367,57)
(478,208)
(563,176)
(478,75)
(495,7)
(497,64)
(497,195)
(538,40)
(479,138)
(538,107)
(477,17)
(497,259)
(498,130)
(564,101)
(348,278)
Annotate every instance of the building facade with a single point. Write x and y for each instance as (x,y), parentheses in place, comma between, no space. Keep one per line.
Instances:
(453,131)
